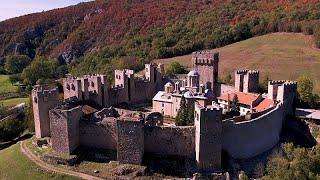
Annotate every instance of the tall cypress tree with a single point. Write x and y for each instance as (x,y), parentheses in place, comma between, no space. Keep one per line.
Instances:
(190,120)
(182,116)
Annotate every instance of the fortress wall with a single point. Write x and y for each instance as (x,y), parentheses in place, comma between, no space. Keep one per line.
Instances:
(99,134)
(249,138)
(142,91)
(224,89)
(170,140)
(130,147)
(117,95)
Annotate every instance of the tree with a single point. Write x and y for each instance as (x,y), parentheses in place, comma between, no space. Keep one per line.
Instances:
(228,79)
(176,68)
(15,78)
(190,119)
(305,89)
(10,129)
(294,163)
(243,176)
(182,116)
(39,69)
(16,63)
(264,83)
(234,108)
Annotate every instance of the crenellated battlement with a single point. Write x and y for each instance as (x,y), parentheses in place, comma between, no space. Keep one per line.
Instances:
(205,57)
(290,86)
(44,94)
(43,99)
(291,83)
(276,82)
(247,80)
(247,71)
(285,83)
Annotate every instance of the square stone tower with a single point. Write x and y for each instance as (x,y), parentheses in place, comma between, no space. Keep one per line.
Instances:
(72,87)
(247,81)
(65,129)
(208,137)
(283,91)
(42,101)
(206,64)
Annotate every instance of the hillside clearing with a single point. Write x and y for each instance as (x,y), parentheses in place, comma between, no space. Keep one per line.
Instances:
(14,101)
(278,55)
(6,86)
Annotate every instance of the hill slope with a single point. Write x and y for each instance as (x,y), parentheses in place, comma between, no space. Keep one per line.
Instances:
(280,55)
(149,29)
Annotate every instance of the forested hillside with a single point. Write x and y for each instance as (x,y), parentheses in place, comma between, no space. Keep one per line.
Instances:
(102,35)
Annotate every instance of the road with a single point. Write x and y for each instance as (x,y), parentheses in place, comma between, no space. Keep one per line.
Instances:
(26,151)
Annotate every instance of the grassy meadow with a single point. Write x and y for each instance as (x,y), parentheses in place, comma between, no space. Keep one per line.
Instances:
(14,101)
(278,55)
(6,86)
(14,165)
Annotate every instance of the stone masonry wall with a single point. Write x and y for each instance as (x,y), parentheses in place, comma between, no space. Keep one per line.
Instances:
(42,101)
(99,134)
(164,140)
(65,129)
(247,139)
(130,147)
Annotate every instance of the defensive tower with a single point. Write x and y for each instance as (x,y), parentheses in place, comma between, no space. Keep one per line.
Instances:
(43,100)
(208,137)
(247,81)
(206,63)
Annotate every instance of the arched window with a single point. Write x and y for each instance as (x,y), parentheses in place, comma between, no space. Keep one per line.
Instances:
(35,99)
(73,87)
(68,87)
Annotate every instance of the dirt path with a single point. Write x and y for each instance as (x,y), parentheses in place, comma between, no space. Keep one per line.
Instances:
(26,151)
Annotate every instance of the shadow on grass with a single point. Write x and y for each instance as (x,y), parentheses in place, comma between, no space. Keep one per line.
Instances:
(5,145)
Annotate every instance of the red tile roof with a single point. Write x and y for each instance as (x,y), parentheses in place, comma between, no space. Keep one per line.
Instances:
(265,104)
(244,98)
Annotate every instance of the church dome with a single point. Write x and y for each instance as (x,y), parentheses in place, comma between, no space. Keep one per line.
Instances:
(169,84)
(188,94)
(193,73)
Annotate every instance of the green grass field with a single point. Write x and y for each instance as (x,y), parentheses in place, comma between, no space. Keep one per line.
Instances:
(14,165)
(280,55)
(6,86)
(14,101)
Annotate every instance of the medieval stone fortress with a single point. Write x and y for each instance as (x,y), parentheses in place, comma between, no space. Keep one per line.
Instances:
(91,114)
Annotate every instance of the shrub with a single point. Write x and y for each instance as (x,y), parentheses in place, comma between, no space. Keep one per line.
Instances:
(16,63)
(14,78)
(175,68)
(39,69)
(10,129)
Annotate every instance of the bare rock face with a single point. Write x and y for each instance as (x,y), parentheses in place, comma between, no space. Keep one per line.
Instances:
(26,43)
(67,56)
(71,53)
(88,16)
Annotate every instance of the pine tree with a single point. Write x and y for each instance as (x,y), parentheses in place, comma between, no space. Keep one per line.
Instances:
(182,116)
